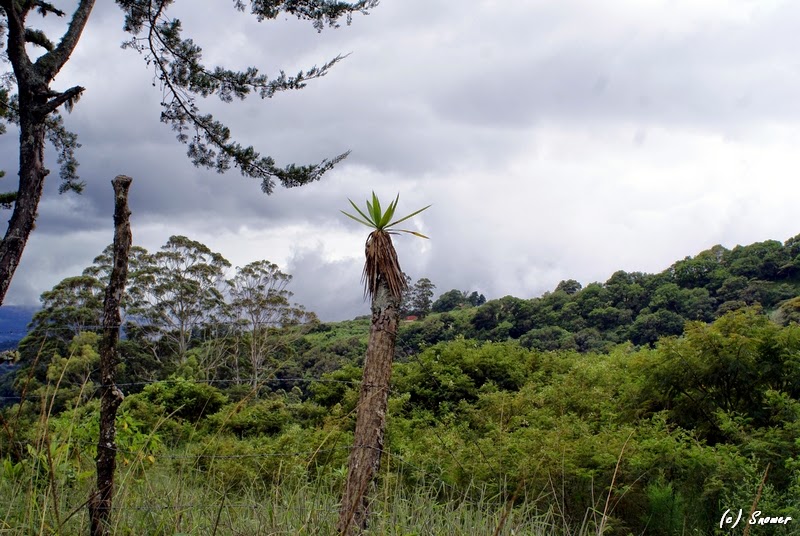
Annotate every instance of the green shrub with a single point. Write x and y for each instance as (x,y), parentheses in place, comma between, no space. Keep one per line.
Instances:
(264,417)
(185,399)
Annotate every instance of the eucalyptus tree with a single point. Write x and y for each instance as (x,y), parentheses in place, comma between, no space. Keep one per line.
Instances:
(423,296)
(384,284)
(259,301)
(406,305)
(178,290)
(74,305)
(417,300)
(179,73)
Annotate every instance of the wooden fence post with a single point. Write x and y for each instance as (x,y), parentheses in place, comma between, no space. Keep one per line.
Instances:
(110,395)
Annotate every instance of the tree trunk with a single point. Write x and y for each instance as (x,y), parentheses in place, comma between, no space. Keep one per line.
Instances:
(36,102)
(31,183)
(365,457)
(110,395)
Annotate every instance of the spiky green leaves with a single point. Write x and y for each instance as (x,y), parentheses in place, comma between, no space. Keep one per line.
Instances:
(381,265)
(382,221)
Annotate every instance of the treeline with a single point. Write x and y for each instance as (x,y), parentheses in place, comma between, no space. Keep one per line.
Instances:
(634,307)
(181,315)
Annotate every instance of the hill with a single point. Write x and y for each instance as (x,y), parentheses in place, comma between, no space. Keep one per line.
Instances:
(14,322)
(632,307)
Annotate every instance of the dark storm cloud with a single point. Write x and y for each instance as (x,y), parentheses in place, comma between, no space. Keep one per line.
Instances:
(555,139)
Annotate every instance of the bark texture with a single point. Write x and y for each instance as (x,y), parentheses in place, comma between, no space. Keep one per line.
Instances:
(31,182)
(365,457)
(110,395)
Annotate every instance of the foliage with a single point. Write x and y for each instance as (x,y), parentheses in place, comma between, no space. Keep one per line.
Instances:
(726,380)
(449,301)
(72,306)
(184,399)
(381,259)
(418,299)
(636,306)
(455,298)
(671,434)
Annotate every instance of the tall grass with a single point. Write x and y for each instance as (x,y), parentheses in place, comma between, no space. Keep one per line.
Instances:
(169,500)
(46,490)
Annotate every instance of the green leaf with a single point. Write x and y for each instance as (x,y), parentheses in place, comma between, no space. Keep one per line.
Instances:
(376,210)
(409,216)
(371,212)
(359,211)
(357,219)
(377,219)
(389,214)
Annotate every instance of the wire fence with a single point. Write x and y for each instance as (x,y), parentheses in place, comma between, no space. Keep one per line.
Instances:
(261,382)
(155,504)
(208,459)
(241,325)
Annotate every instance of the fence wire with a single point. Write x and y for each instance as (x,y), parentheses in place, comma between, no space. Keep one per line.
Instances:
(139,456)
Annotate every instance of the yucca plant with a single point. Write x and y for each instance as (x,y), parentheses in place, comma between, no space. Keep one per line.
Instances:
(384,283)
(381,257)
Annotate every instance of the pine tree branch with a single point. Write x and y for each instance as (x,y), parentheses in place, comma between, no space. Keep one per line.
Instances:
(51,63)
(37,37)
(20,62)
(177,62)
(46,7)
(68,97)
(182,110)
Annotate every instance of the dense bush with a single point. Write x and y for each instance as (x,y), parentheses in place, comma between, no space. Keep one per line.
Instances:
(184,399)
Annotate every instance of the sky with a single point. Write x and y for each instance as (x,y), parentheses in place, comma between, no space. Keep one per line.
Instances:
(555,140)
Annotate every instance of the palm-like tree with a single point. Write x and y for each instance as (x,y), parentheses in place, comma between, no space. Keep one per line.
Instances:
(384,284)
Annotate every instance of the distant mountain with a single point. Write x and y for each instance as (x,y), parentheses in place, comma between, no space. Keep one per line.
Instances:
(14,322)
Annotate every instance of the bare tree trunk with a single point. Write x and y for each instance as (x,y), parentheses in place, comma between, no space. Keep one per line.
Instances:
(110,395)
(255,358)
(365,457)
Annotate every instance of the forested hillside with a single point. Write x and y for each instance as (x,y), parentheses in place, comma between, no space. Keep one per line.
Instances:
(648,404)
(634,307)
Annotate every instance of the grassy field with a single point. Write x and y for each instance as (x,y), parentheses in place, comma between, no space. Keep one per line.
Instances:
(175,499)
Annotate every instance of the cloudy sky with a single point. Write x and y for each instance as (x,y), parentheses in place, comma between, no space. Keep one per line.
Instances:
(555,139)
